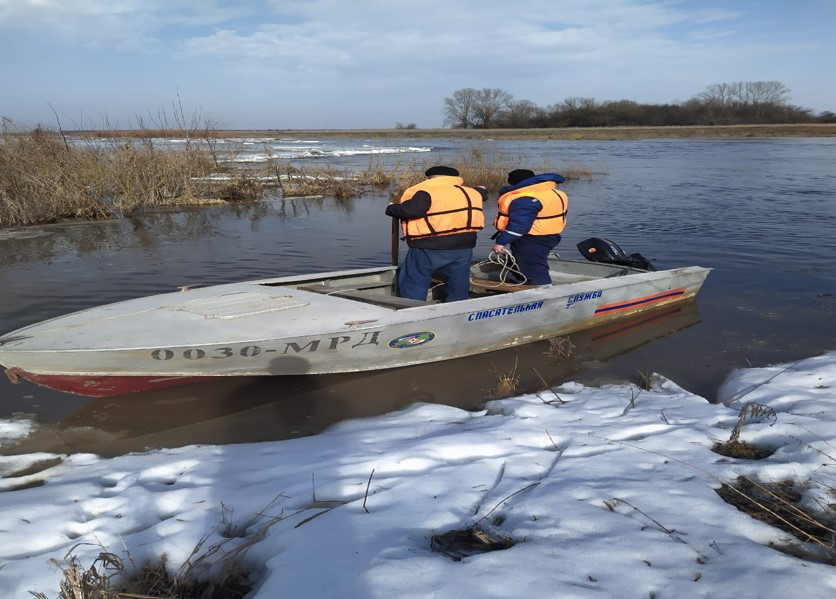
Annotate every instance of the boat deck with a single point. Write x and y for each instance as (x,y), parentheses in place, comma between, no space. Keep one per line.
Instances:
(380,295)
(379,289)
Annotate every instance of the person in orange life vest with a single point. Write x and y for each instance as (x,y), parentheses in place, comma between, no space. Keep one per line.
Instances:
(439,218)
(531,216)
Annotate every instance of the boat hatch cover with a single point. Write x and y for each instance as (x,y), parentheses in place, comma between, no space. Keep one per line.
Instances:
(240,305)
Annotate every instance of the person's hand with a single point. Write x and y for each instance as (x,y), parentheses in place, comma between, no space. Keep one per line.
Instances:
(498,248)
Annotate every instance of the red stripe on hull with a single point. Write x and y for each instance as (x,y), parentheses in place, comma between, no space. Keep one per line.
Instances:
(105,386)
(640,302)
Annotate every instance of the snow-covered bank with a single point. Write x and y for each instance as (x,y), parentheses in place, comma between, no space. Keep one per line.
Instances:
(608,492)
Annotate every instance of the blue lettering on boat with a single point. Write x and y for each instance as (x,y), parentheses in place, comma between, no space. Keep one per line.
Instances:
(582,297)
(506,311)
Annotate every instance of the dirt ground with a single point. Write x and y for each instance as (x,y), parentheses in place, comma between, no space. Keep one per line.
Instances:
(573,133)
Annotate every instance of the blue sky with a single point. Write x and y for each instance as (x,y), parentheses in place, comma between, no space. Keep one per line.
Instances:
(296,64)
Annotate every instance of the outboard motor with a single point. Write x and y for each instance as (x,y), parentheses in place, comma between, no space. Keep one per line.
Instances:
(597,249)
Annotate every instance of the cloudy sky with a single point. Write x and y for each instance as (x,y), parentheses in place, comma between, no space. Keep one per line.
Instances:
(295,64)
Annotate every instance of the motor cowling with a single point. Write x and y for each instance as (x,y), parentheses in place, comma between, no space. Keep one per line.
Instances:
(597,249)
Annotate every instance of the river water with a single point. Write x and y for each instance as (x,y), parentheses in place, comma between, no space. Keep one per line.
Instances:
(760,212)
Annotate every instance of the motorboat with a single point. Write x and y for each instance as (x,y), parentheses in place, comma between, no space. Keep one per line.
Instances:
(332,322)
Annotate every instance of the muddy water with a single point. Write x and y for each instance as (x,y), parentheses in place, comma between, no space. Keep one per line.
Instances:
(760,212)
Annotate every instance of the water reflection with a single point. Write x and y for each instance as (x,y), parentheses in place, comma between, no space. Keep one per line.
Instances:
(145,231)
(251,409)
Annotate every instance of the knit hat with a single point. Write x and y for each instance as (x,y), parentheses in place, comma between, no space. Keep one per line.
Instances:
(520,174)
(434,171)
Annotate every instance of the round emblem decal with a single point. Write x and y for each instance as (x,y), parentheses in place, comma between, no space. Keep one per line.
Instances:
(412,340)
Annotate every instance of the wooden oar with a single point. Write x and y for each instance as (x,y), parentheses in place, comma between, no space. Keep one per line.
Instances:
(396,234)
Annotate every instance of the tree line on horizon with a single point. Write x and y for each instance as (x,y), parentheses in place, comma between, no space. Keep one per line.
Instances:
(740,103)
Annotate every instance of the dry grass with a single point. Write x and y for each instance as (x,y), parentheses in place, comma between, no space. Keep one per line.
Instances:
(458,544)
(244,188)
(507,383)
(44,178)
(110,577)
(645,378)
(324,181)
(475,167)
(741,450)
(561,347)
(212,571)
(734,447)
(478,167)
(781,504)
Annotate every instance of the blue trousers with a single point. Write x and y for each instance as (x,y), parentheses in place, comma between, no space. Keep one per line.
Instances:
(532,255)
(417,270)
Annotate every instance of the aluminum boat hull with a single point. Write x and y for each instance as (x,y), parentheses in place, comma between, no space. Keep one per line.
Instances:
(343,321)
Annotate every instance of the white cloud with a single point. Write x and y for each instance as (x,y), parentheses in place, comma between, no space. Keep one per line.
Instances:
(116,23)
(380,52)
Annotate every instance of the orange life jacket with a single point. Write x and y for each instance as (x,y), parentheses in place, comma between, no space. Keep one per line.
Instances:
(552,217)
(454,208)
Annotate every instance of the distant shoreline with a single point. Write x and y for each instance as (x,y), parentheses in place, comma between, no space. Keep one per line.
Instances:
(569,133)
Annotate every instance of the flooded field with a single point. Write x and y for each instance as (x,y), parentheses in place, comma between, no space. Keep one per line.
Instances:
(760,212)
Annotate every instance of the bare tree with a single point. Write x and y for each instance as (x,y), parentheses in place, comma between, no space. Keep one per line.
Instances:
(490,102)
(471,108)
(744,99)
(521,113)
(722,94)
(767,92)
(762,95)
(721,103)
(746,93)
(576,112)
(459,110)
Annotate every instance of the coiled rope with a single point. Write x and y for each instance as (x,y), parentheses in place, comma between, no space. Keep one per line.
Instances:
(508,270)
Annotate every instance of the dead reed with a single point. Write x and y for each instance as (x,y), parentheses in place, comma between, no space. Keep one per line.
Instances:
(473,540)
(507,383)
(44,177)
(644,378)
(211,571)
(781,504)
(561,347)
(480,167)
(320,181)
(733,447)
(784,504)
(110,577)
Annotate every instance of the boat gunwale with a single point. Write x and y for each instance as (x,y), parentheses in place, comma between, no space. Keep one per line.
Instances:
(392,317)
